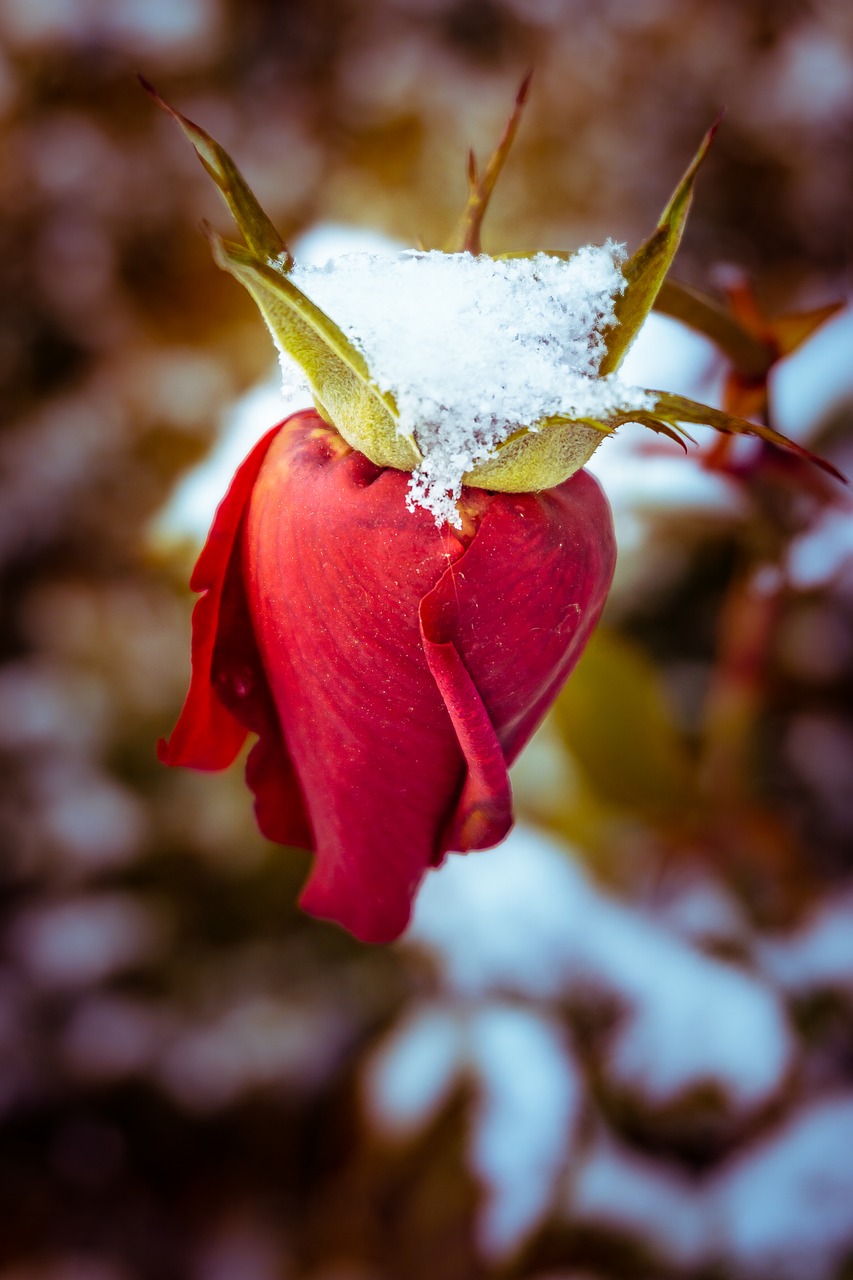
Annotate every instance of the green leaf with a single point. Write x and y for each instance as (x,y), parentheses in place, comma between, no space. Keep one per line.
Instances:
(340,379)
(615,719)
(750,356)
(792,331)
(259,233)
(645,269)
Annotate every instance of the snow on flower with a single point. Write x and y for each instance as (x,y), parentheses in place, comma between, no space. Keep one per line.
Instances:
(472,348)
(393,665)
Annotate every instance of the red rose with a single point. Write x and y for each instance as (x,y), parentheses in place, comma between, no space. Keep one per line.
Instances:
(391,670)
(392,660)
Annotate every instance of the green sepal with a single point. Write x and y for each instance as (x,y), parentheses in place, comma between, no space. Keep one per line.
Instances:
(536,457)
(672,411)
(539,457)
(645,270)
(340,379)
(255,227)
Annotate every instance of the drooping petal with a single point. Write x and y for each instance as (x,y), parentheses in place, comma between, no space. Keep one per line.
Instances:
(239,681)
(208,735)
(335,569)
(518,608)
(483,814)
(407,667)
(279,806)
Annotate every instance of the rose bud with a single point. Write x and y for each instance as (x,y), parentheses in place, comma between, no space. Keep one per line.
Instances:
(400,580)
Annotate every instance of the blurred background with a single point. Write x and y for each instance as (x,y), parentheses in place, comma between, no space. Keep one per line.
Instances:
(622,1044)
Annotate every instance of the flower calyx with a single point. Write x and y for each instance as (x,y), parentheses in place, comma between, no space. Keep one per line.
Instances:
(539,445)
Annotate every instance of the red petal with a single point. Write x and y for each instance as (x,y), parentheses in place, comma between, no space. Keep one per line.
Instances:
(336,568)
(208,735)
(483,814)
(279,806)
(519,607)
(405,670)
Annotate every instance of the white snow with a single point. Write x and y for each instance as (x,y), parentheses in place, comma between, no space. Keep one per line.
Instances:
(109,1036)
(784,1210)
(643,476)
(323,243)
(807,389)
(472,348)
(527,1100)
(649,480)
(700,909)
(190,509)
(781,1210)
(515,934)
(621,1192)
(525,1119)
(825,551)
(669,356)
(810,384)
(83,940)
(818,956)
(255,1042)
(413,1070)
(524,920)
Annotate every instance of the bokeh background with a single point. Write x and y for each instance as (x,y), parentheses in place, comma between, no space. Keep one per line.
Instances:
(621,1045)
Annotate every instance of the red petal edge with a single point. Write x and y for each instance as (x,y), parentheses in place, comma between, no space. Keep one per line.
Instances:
(207,735)
(279,804)
(483,813)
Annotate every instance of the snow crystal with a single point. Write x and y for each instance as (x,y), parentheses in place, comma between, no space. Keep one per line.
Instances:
(473,348)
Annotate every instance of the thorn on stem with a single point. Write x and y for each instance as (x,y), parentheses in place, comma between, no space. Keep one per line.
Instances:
(524,89)
(481,184)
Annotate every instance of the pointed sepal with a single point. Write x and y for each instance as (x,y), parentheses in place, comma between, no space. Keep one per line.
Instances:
(344,391)
(672,411)
(645,270)
(255,227)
